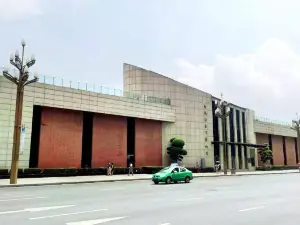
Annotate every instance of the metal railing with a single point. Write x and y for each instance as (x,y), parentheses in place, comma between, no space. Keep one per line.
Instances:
(62,82)
(277,122)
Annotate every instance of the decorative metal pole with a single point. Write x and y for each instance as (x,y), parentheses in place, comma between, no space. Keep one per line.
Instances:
(21,82)
(223,112)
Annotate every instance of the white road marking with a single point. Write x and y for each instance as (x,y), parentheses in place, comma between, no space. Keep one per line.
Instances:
(165,224)
(19,199)
(48,208)
(253,208)
(11,212)
(37,209)
(66,214)
(189,199)
(94,222)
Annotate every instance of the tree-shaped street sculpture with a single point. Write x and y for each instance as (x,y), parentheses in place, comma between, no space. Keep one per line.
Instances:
(175,150)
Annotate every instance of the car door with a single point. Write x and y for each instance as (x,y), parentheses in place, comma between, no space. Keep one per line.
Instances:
(176,174)
(182,173)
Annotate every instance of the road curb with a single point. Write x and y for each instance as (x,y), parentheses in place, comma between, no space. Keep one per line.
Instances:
(134,179)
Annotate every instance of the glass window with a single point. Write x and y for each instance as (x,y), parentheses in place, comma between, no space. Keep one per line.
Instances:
(176,169)
(182,169)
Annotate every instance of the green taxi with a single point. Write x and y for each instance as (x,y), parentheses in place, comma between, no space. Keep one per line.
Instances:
(173,174)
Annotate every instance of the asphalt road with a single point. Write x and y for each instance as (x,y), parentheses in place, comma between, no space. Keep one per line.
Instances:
(246,200)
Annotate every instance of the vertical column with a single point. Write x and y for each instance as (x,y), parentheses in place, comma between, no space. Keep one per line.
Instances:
(228,146)
(256,157)
(221,156)
(242,141)
(251,137)
(244,124)
(247,157)
(237,163)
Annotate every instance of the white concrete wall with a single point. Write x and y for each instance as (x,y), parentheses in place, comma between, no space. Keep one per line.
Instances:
(273,128)
(62,97)
(193,112)
(251,137)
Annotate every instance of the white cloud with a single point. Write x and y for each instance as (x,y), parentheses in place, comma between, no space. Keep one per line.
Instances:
(266,80)
(18,9)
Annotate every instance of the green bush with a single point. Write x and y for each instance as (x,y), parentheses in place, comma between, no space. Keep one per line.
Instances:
(175,149)
(266,155)
(33,171)
(4,173)
(179,143)
(172,139)
(276,167)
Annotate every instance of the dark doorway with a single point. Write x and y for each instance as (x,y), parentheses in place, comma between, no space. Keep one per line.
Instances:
(239,138)
(231,131)
(245,139)
(87,140)
(270,146)
(284,150)
(35,136)
(130,140)
(215,132)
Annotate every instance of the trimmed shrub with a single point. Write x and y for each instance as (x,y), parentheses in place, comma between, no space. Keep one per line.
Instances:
(175,150)
(276,167)
(179,143)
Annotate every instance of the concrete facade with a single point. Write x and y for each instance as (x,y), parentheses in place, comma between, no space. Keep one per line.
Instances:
(192,110)
(194,121)
(66,98)
(162,108)
(281,138)
(268,127)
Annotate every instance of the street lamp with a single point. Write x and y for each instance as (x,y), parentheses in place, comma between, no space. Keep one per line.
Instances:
(296,127)
(223,112)
(21,82)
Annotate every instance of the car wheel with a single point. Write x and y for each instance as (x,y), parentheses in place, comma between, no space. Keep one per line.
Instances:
(187,180)
(168,180)
(156,182)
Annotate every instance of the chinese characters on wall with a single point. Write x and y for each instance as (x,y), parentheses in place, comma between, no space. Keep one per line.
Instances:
(205,129)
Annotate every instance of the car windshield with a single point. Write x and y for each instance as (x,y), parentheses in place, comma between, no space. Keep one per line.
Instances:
(164,170)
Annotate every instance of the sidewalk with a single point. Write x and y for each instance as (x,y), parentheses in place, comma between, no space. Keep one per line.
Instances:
(94,179)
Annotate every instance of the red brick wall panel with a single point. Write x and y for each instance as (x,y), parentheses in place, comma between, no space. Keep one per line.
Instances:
(109,140)
(148,143)
(277,148)
(261,139)
(60,138)
(290,151)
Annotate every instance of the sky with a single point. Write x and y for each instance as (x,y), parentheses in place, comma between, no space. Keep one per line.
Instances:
(247,49)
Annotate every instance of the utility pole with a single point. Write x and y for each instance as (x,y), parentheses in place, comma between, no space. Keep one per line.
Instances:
(296,127)
(223,112)
(21,81)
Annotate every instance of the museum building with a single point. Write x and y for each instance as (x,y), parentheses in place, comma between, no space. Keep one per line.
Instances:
(75,125)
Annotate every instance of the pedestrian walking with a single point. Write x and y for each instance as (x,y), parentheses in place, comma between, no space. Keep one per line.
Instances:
(109,169)
(112,168)
(130,169)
